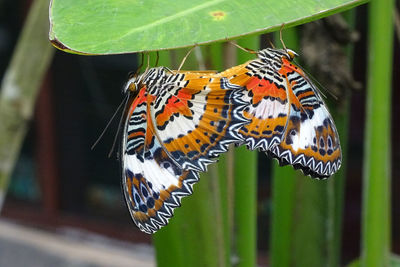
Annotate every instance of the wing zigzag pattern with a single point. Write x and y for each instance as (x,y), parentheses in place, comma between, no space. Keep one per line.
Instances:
(314,169)
(153,224)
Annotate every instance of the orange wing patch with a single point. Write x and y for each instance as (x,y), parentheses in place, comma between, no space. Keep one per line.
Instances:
(266,108)
(210,121)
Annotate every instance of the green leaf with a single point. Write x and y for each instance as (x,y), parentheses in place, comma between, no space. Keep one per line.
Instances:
(125,26)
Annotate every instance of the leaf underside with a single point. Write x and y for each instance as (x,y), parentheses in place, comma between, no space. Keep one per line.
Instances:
(128,26)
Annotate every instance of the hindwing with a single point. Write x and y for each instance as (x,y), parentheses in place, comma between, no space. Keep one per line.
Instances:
(153,183)
(311,141)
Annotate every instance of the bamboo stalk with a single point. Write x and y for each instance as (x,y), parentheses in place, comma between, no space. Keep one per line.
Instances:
(194,236)
(336,184)
(225,175)
(226,58)
(307,214)
(20,87)
(377,166)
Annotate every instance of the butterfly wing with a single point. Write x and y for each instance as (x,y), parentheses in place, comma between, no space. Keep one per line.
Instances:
(288,119)
(153,183)
(310,141)
(197,116)
(266,104)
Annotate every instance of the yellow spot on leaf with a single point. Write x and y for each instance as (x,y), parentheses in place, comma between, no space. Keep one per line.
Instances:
(218,15)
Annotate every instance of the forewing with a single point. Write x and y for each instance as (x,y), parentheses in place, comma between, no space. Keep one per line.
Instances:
(311,141)
(153,183)
(197,116)
(267,105)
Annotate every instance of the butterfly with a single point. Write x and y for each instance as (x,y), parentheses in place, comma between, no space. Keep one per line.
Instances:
(288,118)
(176,124)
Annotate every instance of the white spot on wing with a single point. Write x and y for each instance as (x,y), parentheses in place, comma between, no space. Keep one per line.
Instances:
(268,107)
(182,125)
(308,128)
(150,169)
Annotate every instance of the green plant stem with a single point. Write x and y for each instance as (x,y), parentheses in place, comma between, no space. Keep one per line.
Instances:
(336,184)
(245,186)
(377,167)
(194,236)
(283,202)
(225,170)
(20,87)
(245,206)
(306,213)
(220,61)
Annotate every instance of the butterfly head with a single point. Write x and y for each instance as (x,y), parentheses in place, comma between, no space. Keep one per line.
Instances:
(148,78)
(273,57)
(132,84)
(290,54)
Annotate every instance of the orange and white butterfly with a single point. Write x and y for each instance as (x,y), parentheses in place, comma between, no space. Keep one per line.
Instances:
(288,118)
(179,122)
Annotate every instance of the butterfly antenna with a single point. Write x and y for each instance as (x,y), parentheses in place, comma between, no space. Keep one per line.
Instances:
(107,126)
(184,59)
(169,70)
(132,74)
(148,62)
(248,50)
(157,58)
(280,36)
(125,102)
(141,64)
(271,43)
(200,59)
